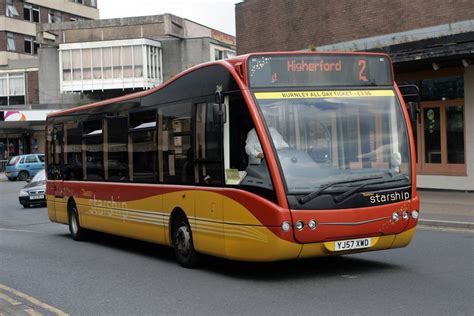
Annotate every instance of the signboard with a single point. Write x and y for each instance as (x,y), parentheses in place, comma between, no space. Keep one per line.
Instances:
(313,70)
(23,116)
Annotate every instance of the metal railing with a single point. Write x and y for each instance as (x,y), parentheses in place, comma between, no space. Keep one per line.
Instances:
(3,163)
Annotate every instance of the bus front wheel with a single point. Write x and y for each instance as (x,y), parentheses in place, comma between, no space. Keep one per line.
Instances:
(183,243)
(77,232)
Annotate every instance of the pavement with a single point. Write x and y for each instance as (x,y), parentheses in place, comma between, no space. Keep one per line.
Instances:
(443,209)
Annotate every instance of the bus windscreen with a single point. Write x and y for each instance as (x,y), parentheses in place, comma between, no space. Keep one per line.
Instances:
(300,70)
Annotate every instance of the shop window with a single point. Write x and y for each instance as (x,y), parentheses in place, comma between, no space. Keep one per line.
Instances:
(442,141)
(446,88)
(455,134)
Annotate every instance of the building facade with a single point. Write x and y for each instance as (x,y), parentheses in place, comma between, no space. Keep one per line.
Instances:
(430,43)
(20,22)
(79,61)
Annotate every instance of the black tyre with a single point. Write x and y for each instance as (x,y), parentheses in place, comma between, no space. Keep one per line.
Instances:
(12,178)
(23,176)
(183,242)
(77,232)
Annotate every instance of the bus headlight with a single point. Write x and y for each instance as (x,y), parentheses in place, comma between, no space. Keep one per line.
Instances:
(299,225)
(395,216)
(23,193)
(312,224)
(414,214)
(285,226)
(405,215)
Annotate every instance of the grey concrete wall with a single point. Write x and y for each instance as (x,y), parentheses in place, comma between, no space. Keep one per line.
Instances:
(195,51)
(49,85)
(459,182)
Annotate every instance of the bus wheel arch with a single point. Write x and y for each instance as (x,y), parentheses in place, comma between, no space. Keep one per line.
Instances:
(181,238)
(77,232)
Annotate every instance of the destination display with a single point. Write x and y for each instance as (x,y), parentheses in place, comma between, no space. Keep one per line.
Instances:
(308,70)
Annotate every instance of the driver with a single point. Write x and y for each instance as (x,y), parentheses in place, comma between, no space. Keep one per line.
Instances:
(254,149)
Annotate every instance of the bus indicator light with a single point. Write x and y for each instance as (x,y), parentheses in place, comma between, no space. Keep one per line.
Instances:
(312,224)
(285,226)
(405,215)
(299,225)
(395,216)
(414,214)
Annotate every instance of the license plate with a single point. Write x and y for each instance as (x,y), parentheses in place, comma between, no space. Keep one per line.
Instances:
(36,197)
(342,245)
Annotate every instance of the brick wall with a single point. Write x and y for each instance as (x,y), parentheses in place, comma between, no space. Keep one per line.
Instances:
(32,94)
(279,25)
(3,41)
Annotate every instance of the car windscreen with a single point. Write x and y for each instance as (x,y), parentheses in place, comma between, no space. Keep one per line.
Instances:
(40,176)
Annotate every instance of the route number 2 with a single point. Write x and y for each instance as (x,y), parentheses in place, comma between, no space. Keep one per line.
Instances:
(362,65)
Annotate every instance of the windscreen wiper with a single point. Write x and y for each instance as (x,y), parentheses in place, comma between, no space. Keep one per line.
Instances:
(323,187)
(344,196)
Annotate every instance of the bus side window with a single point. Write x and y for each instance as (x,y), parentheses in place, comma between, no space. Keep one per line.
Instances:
(73,151)
(207,146)
(92,150)
(55,151)
(142,147)
(116,160)
(175,163)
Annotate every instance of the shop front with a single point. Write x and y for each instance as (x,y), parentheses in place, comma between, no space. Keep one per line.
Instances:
(21,132)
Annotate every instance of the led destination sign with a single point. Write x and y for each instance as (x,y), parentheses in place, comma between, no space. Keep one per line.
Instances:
(304,70)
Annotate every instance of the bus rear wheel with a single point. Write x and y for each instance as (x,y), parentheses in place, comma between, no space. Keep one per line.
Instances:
(77,232)
(183,243)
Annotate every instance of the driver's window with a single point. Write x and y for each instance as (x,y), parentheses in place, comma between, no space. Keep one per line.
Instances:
(245,168)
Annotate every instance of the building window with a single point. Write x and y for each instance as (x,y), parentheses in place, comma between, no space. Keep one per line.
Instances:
(11,42)
(31,13)
(54,16)
(133,64)
(12,89)
(11,10)
(218,54)
(29,45)
(94,3)
(72,19)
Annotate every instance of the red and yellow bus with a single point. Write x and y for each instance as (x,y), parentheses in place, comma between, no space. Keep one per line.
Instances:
(262,157)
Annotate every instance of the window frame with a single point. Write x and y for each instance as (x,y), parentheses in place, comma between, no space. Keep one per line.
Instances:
(11,10)
(11,45)
(443,168)
(32,43)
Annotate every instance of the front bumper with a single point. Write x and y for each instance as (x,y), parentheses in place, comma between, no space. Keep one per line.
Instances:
(26,200)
